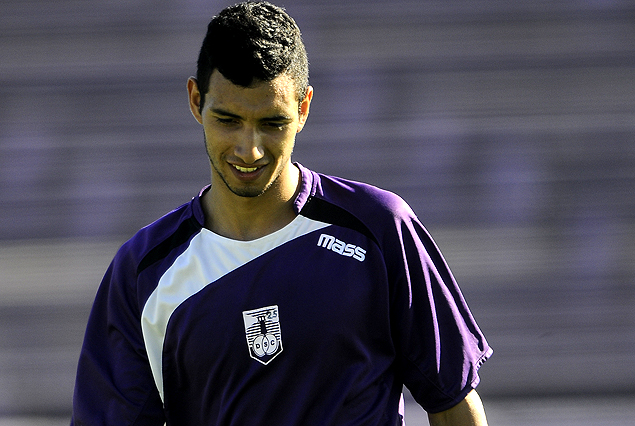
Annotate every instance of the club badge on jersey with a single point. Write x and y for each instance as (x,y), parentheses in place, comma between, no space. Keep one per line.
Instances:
(262,328)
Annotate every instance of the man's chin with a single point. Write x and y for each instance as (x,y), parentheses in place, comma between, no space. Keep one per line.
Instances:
(246,189)
(240,190)
(247,192)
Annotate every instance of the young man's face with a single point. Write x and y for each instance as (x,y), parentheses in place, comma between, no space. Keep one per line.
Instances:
(249,132)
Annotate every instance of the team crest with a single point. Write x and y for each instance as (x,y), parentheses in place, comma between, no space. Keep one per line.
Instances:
(262,327)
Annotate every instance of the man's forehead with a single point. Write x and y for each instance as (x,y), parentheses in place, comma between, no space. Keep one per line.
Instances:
(274,97)
(283,83)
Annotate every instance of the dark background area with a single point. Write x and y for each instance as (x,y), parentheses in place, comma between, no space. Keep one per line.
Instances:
(509,127)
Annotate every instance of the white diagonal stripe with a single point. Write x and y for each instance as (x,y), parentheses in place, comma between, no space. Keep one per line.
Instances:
(208,258)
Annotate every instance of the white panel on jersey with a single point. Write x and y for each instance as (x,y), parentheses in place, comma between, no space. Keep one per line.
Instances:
(208,258)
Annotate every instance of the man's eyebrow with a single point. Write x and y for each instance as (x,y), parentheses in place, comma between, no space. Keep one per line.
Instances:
(222,112)
(280,117)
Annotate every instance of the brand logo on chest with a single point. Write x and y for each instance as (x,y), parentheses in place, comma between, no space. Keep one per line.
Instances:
(340,247)
(262,328)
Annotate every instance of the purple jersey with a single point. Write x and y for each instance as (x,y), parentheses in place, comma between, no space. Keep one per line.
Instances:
(319,323)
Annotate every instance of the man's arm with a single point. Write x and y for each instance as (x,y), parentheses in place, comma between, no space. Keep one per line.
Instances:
(468,412)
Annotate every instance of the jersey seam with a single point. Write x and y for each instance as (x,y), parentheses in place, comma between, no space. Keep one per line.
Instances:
(431,382)
(142,408)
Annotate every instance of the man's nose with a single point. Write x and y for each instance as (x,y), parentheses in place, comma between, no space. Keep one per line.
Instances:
(249,146)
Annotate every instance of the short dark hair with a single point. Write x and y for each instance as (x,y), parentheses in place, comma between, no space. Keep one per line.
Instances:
(250,42)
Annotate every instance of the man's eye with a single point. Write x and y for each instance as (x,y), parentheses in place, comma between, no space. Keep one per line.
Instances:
(275,125)
(225,121)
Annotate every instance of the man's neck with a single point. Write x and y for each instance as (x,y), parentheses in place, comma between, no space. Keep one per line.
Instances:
(250,218)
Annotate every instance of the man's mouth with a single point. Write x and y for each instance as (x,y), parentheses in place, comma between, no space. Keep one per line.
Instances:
(245,169)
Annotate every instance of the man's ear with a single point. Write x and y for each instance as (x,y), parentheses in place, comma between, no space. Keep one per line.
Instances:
(305,106)
(195,99)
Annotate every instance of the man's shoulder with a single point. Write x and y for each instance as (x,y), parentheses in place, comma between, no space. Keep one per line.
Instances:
(155,239)
(373,211)
(360,198)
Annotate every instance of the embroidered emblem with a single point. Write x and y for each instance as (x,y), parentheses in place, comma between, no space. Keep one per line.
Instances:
(262,328)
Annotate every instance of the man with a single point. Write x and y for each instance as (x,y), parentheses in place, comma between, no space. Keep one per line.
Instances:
(277,295)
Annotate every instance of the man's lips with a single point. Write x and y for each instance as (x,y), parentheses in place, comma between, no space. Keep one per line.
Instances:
(245,169)
(247,173)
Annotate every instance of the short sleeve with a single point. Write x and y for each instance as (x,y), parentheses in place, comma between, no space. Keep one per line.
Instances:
(114,384)
(440,346)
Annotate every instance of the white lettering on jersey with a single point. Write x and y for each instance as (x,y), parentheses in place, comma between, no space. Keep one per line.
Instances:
(340,247)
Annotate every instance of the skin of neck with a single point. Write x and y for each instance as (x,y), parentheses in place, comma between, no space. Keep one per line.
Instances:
(250,218)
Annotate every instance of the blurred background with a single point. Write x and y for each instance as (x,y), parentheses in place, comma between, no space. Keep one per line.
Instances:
(509,126)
